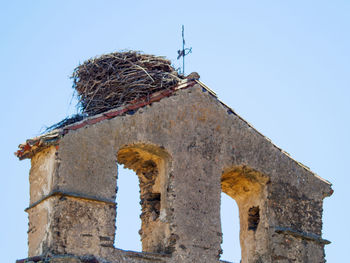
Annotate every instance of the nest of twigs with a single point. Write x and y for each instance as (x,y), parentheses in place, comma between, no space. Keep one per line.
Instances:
(118,78)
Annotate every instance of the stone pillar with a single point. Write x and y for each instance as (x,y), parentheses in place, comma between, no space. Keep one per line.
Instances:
(295,217)
(194,196)
(72,199)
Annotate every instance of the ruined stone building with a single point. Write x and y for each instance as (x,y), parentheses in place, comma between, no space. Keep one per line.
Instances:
(186,147)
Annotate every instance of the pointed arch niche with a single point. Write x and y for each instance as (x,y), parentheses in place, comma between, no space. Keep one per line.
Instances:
(247,187)
(151,164)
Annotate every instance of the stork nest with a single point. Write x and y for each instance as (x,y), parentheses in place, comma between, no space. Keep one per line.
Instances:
(116,79)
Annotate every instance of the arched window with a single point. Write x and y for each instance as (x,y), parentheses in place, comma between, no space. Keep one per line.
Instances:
(150,163)
(231,249)
(246,186)
(128,222)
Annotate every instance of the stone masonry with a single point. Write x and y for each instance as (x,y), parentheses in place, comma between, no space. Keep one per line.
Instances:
(186,148)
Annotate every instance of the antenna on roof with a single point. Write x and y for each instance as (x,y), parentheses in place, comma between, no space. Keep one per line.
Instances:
(184,52)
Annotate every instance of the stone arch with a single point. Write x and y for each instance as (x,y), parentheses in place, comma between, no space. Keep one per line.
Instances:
(151,164)
(248,188)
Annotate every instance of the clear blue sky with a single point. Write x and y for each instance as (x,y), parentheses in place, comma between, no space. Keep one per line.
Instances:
(282,65)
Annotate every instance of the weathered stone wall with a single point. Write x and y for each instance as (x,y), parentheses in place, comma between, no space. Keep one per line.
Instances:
(186,149)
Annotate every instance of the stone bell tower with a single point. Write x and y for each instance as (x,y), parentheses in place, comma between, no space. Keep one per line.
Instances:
(186,147)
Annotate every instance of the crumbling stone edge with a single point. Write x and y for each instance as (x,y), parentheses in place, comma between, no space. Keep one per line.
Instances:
(53,258)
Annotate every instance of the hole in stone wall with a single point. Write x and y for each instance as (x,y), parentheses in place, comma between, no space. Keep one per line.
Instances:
(151,206)
(128,222)
(253,218)
(230,228)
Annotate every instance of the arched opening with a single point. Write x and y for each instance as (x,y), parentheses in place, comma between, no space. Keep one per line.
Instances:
(150,163)
(246,186)
(128,220)
(231,249)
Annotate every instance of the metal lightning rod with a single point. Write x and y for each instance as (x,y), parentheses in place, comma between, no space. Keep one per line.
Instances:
(184,52)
